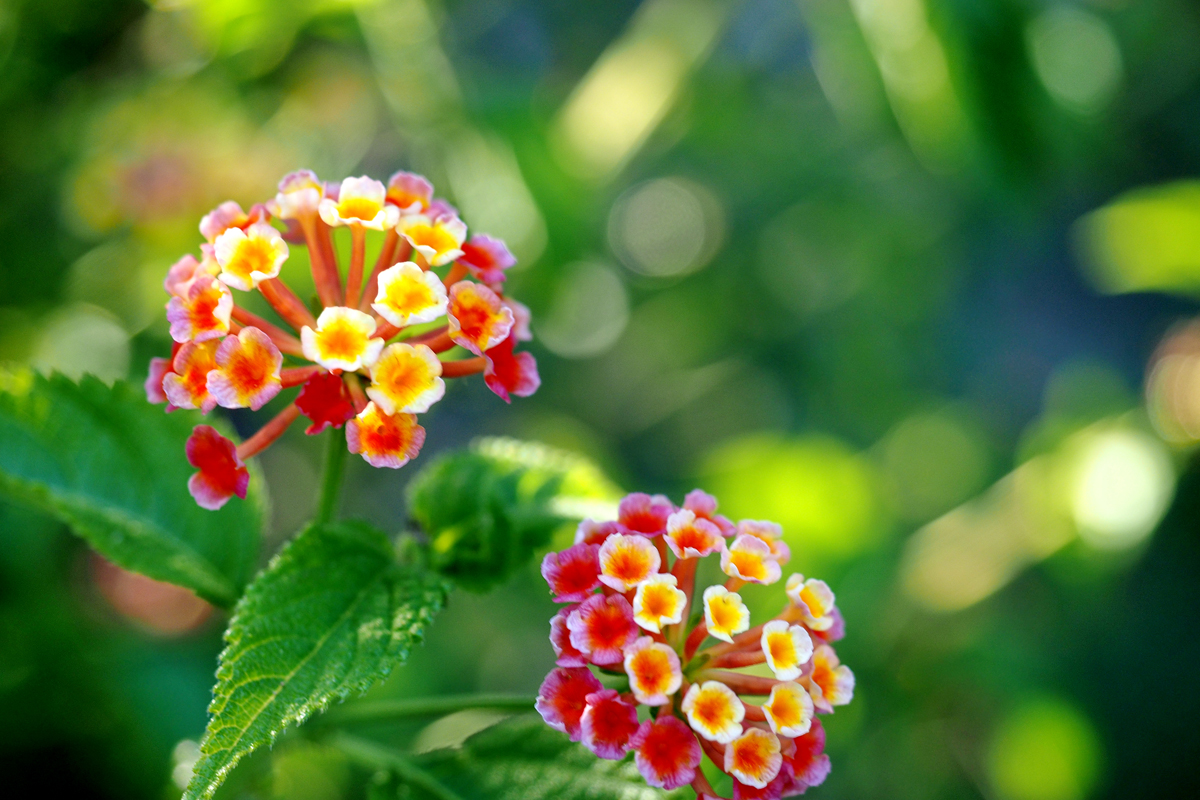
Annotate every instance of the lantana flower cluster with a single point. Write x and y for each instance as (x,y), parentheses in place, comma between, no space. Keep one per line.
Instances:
(634,632)
(355,353)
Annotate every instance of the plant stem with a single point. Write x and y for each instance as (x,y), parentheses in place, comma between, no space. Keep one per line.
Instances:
(375,710)
(371,754)
(331,481)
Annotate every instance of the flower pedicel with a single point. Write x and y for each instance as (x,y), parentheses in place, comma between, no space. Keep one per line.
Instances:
(634,616)
(356,362)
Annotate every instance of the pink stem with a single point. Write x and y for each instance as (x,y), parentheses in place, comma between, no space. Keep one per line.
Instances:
(387,257)
(467,366)
(714,751)
(438,344)
(357,395)
(751,637)
(283,340)
(735,660)
(384,329)
(741,684)
(294,376)
(684,571)
(286,304)
(754,713)
(456,274)
(358,256)
(268,433)
(694,640)
(325,237)
(325,275)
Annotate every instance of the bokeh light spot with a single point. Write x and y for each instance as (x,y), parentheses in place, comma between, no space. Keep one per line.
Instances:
(664,227)
(1076,57)
(1123,483)
(823,494)
(82,339)
(1045,750)
(932,462)
(588,314)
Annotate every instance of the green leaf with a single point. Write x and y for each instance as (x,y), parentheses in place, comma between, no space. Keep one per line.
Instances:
(488,509)
(332,614)
(524,759)
(113,467)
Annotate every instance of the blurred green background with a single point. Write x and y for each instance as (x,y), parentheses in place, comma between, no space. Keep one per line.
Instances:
(911,277)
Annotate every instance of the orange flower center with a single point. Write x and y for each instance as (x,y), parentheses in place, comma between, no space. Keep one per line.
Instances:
(815,606)
(749,565)
(651,670)
(658,602)
(343,341)
(628,564)
(725,613)
(607,627)
(712,710)
(384,434)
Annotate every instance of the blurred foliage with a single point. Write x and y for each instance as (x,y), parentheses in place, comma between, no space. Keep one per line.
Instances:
(851,263)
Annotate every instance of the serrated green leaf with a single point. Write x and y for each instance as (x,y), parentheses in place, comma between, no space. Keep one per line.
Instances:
(524,759)
(113,467)
(488,509)
(332,614)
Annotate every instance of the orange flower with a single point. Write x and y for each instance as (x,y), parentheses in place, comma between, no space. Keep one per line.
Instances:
(383,440)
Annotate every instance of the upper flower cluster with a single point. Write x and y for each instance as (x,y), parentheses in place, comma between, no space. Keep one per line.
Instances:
(632,615)
(366,368)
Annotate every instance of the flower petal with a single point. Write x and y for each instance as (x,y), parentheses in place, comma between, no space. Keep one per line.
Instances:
(247,371)
(383,440)
(409,295)
(343,340)
(478,321)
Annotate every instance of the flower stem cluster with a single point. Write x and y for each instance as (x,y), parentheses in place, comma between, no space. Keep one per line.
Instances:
(636,631)
(355,355)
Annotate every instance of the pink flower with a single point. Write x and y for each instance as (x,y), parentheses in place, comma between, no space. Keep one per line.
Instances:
(567,655)
(704,506)
(641,513)
(487,258)
(562,698)
(602,627)
(667,753)
(511,373)
(222,473)
(608,723)
(592,532)
(159,367)
(572,574)
(806,762)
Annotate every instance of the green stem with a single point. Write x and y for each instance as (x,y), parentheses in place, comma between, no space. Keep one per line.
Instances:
(377,756)
(374,710)
(331,481)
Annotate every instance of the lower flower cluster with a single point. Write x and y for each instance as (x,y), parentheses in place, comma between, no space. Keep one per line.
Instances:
(635,633)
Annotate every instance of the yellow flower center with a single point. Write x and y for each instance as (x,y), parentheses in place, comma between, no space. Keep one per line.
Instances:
(725,612)
(409,295)
(342,340)
(433,236)
(256,254)
(358,208)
